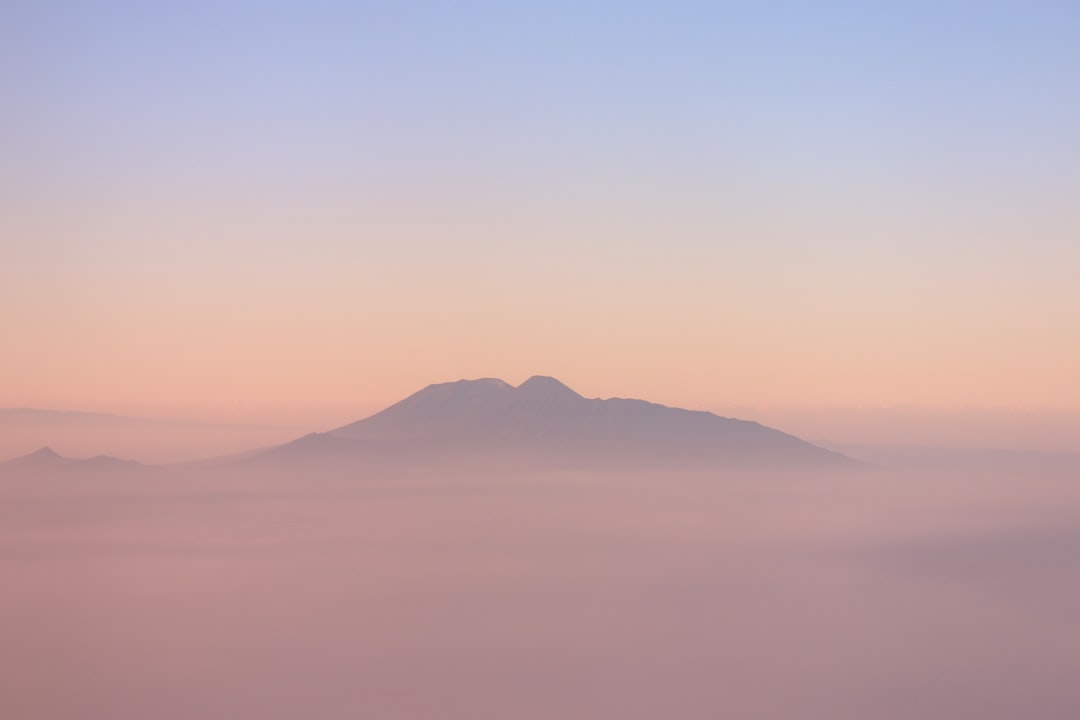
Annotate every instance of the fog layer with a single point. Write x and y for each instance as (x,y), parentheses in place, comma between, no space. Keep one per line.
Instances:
(467,594)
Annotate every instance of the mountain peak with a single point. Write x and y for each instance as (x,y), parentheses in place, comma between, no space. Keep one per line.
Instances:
(485,382)
(545,386)
(464,389)
(45,453)
(466,385)
(43,457)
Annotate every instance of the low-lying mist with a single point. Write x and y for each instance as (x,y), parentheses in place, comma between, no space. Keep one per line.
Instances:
(454,593)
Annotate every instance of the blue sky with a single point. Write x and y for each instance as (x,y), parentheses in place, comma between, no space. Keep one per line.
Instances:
(964,98)
(905,173)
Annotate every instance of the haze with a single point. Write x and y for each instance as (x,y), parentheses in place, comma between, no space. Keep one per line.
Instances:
(480,550)
(502,361)
(441,593)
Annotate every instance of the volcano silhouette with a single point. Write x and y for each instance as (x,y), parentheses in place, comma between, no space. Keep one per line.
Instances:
(544,421)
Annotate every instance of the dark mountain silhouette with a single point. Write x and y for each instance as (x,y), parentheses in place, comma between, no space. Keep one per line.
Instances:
(543,420)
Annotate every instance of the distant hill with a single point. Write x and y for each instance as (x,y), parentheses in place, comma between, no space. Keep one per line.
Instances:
(543,420)
(47,459)
(150,440)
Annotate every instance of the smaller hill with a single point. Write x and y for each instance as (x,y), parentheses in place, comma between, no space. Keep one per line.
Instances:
(46,459)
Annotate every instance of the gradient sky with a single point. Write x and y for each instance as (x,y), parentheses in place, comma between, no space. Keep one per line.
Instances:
(297,211)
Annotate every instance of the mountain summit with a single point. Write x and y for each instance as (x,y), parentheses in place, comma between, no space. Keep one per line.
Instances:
(543,386)
(543,420)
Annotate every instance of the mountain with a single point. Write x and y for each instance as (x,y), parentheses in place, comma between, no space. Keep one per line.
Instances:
(48,459)
(543,420)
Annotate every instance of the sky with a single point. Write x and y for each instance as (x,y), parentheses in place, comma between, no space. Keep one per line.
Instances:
(299,212)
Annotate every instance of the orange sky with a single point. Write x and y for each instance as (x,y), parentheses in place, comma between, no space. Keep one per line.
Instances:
(317,215)
(321,342)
